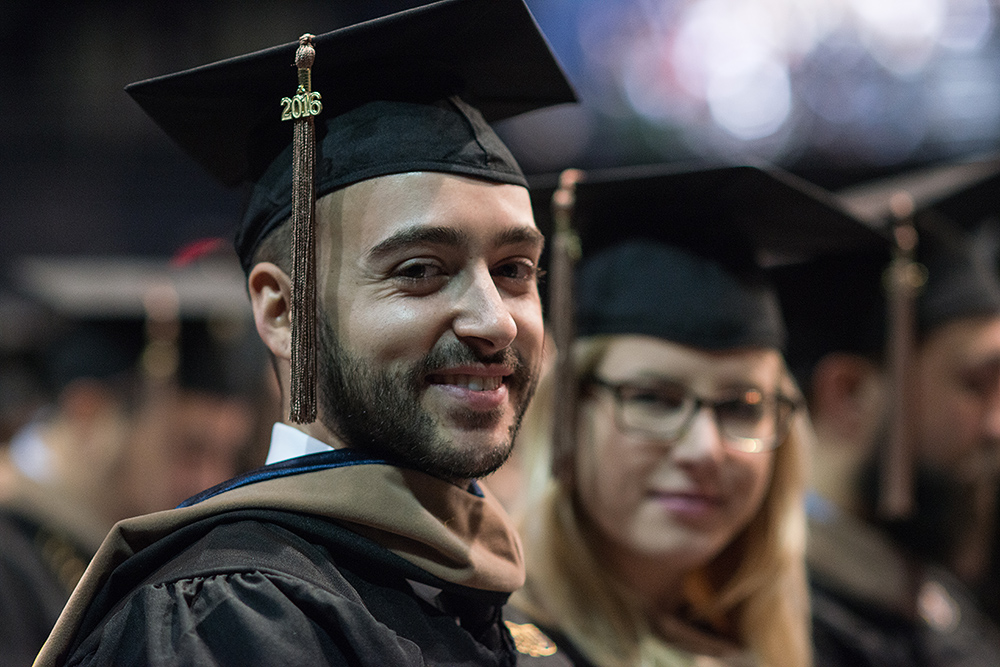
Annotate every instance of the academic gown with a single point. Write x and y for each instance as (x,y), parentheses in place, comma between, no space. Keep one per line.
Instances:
(46,541)
(333,558)
(875,607)
(32,592)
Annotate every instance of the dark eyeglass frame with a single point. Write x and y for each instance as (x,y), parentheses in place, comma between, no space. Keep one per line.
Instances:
(785,408)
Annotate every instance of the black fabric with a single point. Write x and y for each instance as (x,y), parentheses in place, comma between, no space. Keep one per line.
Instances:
(640,287)
(852,633)
(678,252)
(963,269)
(837,303)
(874,606)
(31,591)
(955,215)
(739,214)
(833,303)
(377,139)
(279,588)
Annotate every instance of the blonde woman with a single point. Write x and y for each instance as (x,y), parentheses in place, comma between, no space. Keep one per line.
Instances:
(674,533)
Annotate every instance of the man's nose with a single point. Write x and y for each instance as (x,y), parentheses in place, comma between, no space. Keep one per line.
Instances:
(482,318)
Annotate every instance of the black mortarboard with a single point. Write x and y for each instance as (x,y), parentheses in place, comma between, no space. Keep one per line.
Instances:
(413,91)
(838,303)
(956,214)
(202,337)
(833,303)
(678,253)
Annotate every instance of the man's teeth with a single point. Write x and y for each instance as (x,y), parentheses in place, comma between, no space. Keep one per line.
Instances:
(473,382)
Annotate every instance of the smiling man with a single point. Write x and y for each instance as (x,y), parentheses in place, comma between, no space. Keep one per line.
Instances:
(365,540)
(435,349)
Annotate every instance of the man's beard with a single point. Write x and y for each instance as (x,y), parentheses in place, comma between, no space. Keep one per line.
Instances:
(379,409)
(941,506)
(940,514)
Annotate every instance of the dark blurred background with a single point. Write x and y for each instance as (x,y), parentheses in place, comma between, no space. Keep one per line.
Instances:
(835,90)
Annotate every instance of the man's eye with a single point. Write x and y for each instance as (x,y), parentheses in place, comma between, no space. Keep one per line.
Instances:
(516,270)
(418,270)
(983,380)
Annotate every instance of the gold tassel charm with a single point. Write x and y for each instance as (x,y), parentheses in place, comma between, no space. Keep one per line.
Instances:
(301,109)
(566,253)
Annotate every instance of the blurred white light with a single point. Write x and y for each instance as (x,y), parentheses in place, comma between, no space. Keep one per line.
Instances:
(900,34)
(902,20)
(965,100)
(718,37)
(648,83)
(967,26)
(550,138)
(751,104)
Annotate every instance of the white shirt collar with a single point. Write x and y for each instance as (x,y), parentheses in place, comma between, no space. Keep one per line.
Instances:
(287,442)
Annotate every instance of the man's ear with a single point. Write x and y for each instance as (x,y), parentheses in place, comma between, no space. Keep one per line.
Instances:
(844,398)
(271,297)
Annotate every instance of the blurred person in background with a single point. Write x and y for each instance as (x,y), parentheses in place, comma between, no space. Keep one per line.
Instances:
(21,389)
(891,583)
(671,530)
(145,412)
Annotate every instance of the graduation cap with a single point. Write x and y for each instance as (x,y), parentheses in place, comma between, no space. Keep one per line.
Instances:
(879,304)
(955,213)
(188,327)
(413,91)
(679,253)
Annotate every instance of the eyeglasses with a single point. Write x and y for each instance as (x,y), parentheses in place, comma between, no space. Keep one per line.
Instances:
(749,420)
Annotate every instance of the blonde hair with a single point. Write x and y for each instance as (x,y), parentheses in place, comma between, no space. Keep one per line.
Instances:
(754,593)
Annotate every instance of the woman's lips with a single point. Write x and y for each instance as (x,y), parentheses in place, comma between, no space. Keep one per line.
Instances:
(687,505)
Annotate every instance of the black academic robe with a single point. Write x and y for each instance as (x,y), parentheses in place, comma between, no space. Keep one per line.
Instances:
(875,607)
(46,541)
(33,588)
(327,559)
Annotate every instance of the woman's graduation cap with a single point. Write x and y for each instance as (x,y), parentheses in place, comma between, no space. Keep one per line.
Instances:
(678,253)
(413,91)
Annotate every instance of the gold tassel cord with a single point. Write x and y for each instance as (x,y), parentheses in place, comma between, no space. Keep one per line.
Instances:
(565,254)
(905,278)
(301,109)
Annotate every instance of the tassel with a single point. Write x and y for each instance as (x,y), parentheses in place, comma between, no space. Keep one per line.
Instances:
(905,278)
(301,109)
(565,254)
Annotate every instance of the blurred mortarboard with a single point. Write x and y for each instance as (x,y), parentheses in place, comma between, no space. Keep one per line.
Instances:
(191,325)
(678,253)
(833,303)
(838,303)
(412,91)
(956,214)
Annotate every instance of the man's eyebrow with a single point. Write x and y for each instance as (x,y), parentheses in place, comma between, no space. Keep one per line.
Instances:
(519,235)
(416,235)
(450,236)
